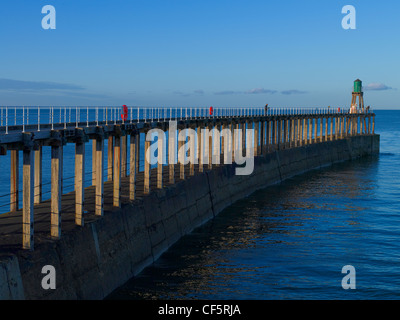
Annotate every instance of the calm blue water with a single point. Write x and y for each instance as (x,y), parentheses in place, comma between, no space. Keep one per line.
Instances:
(291,241)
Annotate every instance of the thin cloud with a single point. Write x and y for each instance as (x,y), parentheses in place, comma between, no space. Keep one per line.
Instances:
(294,91)
(183,94)
(20,85)
(260,91)
(227,92)
(377,86)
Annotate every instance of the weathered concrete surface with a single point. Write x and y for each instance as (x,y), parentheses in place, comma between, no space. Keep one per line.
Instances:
(93,260)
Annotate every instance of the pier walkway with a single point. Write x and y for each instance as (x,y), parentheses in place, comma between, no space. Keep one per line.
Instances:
(117,180)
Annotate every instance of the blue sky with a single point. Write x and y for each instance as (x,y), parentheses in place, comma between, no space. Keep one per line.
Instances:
(199,53)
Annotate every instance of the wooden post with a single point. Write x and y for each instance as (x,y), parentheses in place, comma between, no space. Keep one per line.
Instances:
(14,180)
(160,156)
(181,154)
(192,154)
(356,124)
(305,131)
(326,129)
(316,130)
(263,132)
(369,124)
(146,167)
(243,136)
(124,156)
(210,150)
(299,132)
(373,124)
(117,172)
(79,186)
(38,176)
(110,158)
(27,199)
(216,145)
(287,132)
(132,172)
(138,154)
(331,136)
(268,131)
(56,169)
(200,148)
(256,126)
(99,202)
(336,128)
(341,127)
(285,126)
(171,153)
(279,136)
(94,153)
(223,126)
(217,140)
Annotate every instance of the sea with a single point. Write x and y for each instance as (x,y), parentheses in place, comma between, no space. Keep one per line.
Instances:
(296,240)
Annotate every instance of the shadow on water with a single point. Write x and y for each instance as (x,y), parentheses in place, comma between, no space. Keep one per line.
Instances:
(287,241)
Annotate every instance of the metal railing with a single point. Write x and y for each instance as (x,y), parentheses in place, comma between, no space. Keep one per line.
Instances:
(19,118)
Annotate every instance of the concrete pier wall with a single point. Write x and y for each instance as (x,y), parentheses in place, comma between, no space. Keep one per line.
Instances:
(94,260)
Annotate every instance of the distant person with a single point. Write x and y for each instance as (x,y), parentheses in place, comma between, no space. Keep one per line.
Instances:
(266,108)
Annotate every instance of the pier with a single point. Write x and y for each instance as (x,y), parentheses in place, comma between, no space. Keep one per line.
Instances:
(120,188)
